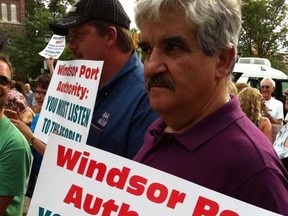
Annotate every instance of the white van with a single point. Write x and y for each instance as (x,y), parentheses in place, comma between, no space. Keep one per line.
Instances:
(247,69)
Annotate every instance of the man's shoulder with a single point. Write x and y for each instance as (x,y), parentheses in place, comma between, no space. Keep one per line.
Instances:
(248,136)
(130,74)
(132,82)
(276,101)
(12,136)
(135,66)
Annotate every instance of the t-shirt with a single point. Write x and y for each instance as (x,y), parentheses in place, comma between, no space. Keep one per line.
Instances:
(275,108)
(15,160)
(225,152)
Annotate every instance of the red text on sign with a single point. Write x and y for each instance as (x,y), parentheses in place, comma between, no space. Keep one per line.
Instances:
(207,207)
(119,178)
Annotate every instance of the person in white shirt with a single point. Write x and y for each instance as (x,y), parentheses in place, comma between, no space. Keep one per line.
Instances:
(271,107)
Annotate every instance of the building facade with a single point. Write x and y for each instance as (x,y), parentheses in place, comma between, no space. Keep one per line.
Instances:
(12,14)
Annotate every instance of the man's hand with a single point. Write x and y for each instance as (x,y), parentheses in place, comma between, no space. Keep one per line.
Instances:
(264,107)
(11,114)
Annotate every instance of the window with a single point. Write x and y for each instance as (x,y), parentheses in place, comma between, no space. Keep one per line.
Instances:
(4,12)
(13,13)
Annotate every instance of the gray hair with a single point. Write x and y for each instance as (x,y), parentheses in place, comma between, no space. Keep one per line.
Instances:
(268,79)
(217,22)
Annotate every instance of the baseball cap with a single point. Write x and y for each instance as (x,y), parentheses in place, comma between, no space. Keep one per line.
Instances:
(84,10)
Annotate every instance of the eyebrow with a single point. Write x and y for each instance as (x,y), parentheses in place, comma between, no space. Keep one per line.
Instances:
(173,39)
(169,39)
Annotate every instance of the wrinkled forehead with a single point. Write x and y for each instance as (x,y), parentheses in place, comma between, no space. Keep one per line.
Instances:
(267,83)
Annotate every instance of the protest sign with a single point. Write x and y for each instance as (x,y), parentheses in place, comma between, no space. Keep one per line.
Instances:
(69,102)
(55,47)
(82,180)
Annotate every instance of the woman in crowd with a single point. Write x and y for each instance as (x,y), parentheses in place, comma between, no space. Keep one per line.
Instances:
(250,102)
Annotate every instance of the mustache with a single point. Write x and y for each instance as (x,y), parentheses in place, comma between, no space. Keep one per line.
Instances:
(160,81)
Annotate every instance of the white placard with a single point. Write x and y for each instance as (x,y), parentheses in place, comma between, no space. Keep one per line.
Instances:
(55,47)
(82,180)
(69,102)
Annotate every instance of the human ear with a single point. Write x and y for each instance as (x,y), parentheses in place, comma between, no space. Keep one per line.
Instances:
(111,36)
(226,58)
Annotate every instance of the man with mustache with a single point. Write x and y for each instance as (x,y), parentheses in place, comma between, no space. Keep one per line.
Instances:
(100,30)
(202,135)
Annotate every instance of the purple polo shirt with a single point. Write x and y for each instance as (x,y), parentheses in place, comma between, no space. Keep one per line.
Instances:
(225,152)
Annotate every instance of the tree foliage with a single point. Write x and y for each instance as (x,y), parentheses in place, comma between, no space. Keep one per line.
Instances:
(27,42)
(264,33)
(264,30)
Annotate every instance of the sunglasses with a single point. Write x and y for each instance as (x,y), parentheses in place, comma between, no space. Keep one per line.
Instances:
(4,81)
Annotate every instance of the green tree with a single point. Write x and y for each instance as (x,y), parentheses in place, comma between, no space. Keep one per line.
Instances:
(27,42)
(59,7)
(264,31)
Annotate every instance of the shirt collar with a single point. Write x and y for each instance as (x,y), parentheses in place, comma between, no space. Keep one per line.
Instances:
(197,135)
(127,68)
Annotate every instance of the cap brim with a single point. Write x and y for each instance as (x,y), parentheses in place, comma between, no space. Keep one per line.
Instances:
(61,26)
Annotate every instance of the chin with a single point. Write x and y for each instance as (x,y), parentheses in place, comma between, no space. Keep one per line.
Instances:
(159,105)
(160,93)
(39,104)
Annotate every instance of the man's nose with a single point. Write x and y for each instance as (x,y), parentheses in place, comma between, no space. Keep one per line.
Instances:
(155,63)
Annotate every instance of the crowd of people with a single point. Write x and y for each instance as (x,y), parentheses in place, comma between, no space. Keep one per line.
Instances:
(179,112)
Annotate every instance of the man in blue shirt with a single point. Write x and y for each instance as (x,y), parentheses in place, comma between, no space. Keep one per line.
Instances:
(99,30)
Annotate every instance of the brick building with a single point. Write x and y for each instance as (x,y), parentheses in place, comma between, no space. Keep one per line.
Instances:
(12,13)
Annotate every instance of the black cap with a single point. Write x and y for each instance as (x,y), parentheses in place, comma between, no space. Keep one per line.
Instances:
(84,10)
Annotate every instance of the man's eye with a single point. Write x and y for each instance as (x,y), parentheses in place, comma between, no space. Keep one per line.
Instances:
(171,47)
(77,35)
(146,49)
